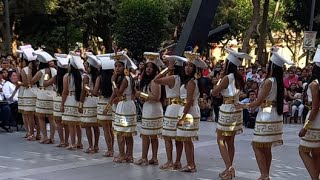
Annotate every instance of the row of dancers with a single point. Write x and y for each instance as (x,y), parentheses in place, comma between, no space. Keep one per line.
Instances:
(100,92)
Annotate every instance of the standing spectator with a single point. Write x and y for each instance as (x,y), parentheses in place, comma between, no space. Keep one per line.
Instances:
(290,79)
(303,78)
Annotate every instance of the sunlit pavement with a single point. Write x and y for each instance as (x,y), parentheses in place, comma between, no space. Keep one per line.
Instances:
(23,160)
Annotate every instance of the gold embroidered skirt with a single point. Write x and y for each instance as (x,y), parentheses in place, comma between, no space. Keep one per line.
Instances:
(125,119)
(89,115)
(44,103)
(20,99)
(189,131)
(152,118)
(71,113)
(311,141)
(268,128)
(170,121)
(30,99)
(230,120)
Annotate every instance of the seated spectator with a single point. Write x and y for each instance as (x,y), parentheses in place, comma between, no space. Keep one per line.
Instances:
(5,112)
(249,115)
(204,109)
(11,92)
(290,79)
(294,98)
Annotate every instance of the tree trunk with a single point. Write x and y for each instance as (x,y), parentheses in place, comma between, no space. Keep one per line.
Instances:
(263,32)
(252,27)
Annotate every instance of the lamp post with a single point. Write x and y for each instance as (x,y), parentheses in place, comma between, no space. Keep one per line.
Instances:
(313,5)
(7,22)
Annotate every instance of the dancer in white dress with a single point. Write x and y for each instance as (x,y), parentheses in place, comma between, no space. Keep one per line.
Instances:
(44,104)
(309,149)
(70,100)
(30,92)
(152,112)
(269,120)
(63,130)
(89,110)
(125,120)
(230,119)
(170,78)
(189,113)
(103,89)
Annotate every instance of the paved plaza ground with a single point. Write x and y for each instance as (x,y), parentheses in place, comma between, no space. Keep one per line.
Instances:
(23,160)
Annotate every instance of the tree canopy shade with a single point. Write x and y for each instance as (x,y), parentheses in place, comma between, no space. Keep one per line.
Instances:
(141,26)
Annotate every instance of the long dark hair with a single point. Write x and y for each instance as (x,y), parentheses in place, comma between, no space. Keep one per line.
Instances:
(231,68)
(277,72)
(146,79)
(94,74)
(34,69)
(75,73)
(105,83)
(122,76)
(59,79)
(185,78)
(315,74)
(43,65)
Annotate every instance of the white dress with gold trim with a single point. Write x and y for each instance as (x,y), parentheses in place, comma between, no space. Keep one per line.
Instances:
(104,119)
(57,114)
(311,141)
(20,99)
(170,119)
(152,116)
(269,124)
(189,130)
(71,113)
(29,96)
(44,104)
(89,115)
(125,120)
(230,119)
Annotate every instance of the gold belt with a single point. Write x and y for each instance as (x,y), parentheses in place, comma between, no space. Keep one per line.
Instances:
(228,100)
(174,101)
(268,104)
(183,102)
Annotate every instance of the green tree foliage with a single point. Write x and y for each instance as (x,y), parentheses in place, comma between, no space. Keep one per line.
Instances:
(141,26)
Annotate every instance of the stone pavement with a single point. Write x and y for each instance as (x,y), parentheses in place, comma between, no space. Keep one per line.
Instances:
(22,160)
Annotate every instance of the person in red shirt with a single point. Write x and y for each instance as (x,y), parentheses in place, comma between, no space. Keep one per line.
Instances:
(291,78)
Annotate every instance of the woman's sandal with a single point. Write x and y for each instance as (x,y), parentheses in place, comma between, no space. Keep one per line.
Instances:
(153,162)
(121,159)
(263,178)
(31,138)
(129,159)
(142,162)
(108,154)
(96,149)
(71,147)
(61,144)
(223,173)
(176,166)
(38,137)
(167,166)
(79,146)
(191,169)
(229,175)
(89,151)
